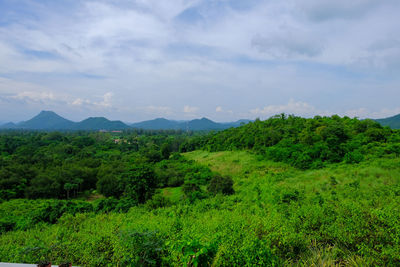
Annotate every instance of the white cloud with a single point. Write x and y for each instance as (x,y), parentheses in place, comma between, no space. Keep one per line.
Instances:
(288,44)
(106,102)
(190,109)
(292,107)
(359,113)
(367,113)
(322,51)
(157,110)
(29,93)
(34,96)
(78,102)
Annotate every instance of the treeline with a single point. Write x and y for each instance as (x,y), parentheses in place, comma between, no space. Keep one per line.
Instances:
(305,143)
(128,168)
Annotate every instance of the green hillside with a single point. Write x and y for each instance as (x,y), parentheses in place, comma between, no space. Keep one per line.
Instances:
(278,216)
(304,143)
(46,120)
(99,123)
(392,122)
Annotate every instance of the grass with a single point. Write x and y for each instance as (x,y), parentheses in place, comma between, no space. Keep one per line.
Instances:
(174,194)
(236,163)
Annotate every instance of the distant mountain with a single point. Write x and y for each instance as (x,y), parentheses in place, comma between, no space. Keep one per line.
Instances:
(202,124)
(99,123)
(49,120)
(9,125)
(237,123)
(46,120)
(157,124)
(205,124)
(392,122)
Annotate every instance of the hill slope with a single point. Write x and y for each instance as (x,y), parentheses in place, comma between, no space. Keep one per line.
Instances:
(279,216)
(8,125)
(392,122)
(46,120)
(157,124)
(100,123)
(304,143)
(49,120)
(202,124)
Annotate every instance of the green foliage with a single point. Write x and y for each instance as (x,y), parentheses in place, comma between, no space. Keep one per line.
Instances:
(158,201)
(66,165)
(139,183)
(353,157)
(197,254)
(141,249)
(23,214)
(192,190)
(303,143)
(110,186)
(221,184)
(174,172)
(165,151)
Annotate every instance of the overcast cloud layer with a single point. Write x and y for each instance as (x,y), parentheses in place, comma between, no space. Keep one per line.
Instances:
(182,59)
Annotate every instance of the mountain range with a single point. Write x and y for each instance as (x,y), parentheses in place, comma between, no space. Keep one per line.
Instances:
(194,125)
(49,120)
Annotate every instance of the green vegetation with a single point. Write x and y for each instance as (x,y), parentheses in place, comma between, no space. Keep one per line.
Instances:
(305,143)
(140,203)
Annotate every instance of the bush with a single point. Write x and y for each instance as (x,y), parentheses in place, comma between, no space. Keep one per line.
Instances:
(158,201)
(353,157)
(141,249)
(198,254)
(109,186)
(221,185)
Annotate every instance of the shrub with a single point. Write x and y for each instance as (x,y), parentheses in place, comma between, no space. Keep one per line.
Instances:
(221,184)
(198,254)
(141,249)
(353,157)
(158,201)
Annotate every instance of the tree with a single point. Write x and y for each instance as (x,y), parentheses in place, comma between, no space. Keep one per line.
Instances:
(221,184)
(165,151)
(109,186)
(140,183)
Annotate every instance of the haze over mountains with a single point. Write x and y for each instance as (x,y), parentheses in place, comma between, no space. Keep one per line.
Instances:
(49,120)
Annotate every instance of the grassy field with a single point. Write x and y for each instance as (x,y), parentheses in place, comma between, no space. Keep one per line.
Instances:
(279,216)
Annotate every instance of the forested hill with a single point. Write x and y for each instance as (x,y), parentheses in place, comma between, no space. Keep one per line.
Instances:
(305,143)
(393,122)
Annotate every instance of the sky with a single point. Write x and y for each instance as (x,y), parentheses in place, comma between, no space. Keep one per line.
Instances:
(182,59)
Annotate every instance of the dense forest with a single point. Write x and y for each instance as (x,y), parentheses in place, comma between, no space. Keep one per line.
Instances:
(284,191)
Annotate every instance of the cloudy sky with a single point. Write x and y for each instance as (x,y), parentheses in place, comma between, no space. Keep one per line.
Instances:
(182,59)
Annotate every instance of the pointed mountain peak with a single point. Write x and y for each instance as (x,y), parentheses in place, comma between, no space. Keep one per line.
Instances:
(47,120)
(47,113)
